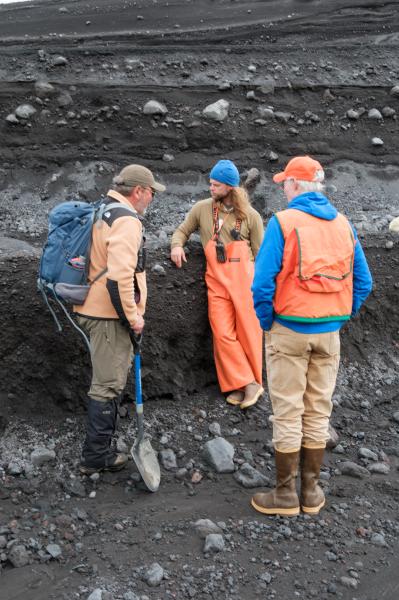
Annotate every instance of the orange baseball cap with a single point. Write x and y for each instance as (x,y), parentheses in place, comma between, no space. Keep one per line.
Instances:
(304,168)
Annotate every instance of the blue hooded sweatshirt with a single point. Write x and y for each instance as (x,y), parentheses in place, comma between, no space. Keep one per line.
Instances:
(269,261)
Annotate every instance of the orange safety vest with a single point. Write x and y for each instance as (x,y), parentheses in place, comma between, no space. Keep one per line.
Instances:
(315,283)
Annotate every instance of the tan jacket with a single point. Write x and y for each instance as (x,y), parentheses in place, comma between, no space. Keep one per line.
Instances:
(201,217)
(115,246)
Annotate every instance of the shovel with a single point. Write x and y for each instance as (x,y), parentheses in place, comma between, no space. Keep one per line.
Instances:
(142,452)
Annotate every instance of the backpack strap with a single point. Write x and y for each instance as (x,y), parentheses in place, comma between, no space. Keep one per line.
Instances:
(98,220)
(103,208)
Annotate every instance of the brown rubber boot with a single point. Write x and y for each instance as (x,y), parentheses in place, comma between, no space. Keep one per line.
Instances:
(312,496)
(283,500)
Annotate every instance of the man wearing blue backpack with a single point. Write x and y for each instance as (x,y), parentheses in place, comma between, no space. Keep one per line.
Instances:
(114,308)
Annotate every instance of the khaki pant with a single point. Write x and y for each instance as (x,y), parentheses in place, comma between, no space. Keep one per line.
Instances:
(111,357)
(301,372)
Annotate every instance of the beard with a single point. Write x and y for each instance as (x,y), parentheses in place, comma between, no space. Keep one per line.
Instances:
(219,197)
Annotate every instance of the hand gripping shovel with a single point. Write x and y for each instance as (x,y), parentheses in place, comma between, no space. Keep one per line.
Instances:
(142,452)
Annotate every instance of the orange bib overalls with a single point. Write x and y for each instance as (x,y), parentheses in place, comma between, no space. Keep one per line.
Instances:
(237,335)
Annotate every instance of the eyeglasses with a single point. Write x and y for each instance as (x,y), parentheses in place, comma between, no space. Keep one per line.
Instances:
(151,190)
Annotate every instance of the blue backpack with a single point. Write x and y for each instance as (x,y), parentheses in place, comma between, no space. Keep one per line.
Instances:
(65,261)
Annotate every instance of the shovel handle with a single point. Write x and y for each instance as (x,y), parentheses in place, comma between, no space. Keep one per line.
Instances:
(137,375)
(139,396)
(136,339)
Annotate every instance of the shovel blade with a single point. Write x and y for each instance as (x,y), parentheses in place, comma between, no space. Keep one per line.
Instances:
(147,463)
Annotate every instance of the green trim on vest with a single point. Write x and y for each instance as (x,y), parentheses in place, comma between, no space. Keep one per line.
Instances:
(315,320)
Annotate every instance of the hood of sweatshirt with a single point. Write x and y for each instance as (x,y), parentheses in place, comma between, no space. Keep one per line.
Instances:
(315,204)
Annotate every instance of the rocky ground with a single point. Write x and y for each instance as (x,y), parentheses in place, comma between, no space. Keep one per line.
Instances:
(89,87)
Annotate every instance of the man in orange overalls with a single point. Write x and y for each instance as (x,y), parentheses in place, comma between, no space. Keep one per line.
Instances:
(311,276)
(231,234)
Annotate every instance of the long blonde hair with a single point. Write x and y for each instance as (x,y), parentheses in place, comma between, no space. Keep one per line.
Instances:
(240,199)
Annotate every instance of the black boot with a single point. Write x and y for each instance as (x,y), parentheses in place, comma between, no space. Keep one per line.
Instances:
(97,454)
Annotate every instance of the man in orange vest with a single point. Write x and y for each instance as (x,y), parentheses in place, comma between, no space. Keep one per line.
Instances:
(231,234)
(311,276)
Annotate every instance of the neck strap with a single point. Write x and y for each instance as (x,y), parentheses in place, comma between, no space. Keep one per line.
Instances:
(216,228)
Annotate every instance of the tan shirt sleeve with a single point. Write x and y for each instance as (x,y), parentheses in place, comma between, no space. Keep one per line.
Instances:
(190,224)
(256,231)
(123,244)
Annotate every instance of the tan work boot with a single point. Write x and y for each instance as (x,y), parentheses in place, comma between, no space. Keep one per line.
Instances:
(283,500)
(235,398)
(253,392)
(312,496)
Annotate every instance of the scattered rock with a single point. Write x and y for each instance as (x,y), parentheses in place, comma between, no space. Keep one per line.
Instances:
(214,542)
(353,470)
(378,539)
(134,63)
(64,99)
(41,456)
(217,111)
(375,114)
(12,119)
(339,449)
(267,87)
(130,596)
(394,226)
(205,527)
(74,487)
(14,468)
(18,556)
(333,437)
(349,582)
(251,179)
(158,269)
(284,117)
(214,429)
(54,550)
(219,454)
(153,108)
(366,453)
(379,467)
(352,114)
(265,113)
(376,141)
(273,156)
(25,111)
(97,594)
(388,112)
(59,61)
(154,575)
(168,459)
(249,477)
(266,577)
(44,89)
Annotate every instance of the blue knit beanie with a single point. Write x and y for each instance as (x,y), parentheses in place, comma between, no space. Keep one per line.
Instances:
(226,172)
